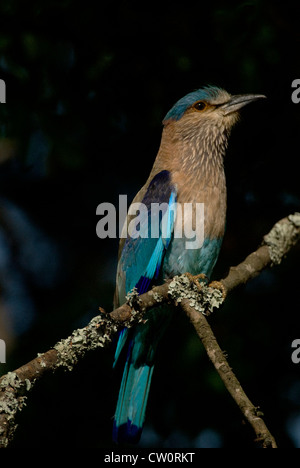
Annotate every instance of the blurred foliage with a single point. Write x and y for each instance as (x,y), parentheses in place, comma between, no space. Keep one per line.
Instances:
(87,88)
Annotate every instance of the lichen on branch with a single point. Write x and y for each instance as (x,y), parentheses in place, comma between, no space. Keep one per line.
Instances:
(282,237)
(200,295)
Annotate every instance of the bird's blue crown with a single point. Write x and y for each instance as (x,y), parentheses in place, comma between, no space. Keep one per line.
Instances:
(206,93)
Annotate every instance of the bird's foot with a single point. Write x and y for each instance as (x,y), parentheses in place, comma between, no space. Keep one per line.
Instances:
(195,279)
(220,286)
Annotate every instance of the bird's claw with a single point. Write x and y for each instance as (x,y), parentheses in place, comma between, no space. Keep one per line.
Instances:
(195,279)
(220,286)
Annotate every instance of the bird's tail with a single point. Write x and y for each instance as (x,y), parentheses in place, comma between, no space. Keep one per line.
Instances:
(132,402)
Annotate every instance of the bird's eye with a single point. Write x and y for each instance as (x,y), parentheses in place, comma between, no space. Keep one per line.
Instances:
(200,105)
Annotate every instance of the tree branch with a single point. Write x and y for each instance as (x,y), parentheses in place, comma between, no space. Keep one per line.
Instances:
(250,412)
(193,298)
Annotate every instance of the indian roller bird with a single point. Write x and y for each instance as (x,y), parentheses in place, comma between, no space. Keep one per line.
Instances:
(188,169)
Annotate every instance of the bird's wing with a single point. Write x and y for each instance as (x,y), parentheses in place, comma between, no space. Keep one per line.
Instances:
(149,235)
(142,256)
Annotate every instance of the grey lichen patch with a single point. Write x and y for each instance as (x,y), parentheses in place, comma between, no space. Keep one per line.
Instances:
(97,333)
(295,219)
(157,297)
(282,237)
(132,297)
(134,302)
(10,404)
(11,401)
(42,362)
(204,298)
(10,379)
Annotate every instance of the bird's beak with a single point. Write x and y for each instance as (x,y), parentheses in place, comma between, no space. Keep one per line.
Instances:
(240,100)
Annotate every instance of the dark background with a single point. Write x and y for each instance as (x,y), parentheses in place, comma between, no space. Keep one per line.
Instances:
(87,88)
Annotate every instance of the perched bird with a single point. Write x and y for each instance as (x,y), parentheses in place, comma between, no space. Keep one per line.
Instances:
(188,169)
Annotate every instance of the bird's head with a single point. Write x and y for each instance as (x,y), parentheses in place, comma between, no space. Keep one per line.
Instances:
(210,106)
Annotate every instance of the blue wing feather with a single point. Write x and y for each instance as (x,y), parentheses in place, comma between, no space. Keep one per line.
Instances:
(142,256)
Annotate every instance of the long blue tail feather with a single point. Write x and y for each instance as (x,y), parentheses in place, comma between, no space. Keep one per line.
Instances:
(132,402)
